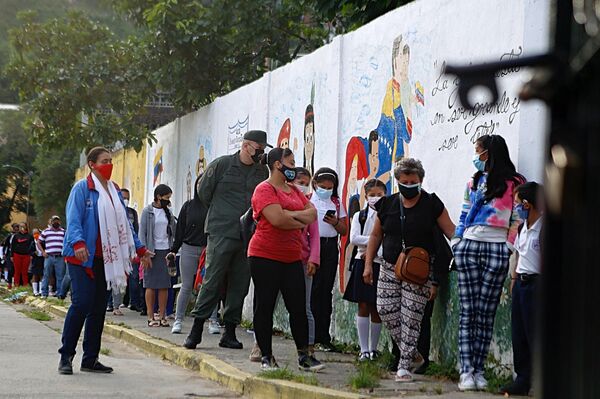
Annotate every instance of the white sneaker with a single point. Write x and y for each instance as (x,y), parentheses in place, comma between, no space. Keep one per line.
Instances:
(466,383)
(176,327)
(213,327)
(480,381)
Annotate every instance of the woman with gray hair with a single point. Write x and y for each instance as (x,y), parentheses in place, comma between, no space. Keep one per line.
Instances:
(401,304)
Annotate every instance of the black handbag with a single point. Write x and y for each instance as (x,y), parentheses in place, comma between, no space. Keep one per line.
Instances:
(247,226)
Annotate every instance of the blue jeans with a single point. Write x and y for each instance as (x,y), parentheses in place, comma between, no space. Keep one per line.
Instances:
(134,288)
(66,284)
(56,265)
(88,306)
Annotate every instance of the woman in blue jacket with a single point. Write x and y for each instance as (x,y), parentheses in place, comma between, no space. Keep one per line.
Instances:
(99,245)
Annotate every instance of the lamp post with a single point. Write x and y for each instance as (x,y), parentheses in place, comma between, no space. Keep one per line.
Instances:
(28,175)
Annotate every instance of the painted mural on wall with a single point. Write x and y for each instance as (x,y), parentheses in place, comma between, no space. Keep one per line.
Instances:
(362,103)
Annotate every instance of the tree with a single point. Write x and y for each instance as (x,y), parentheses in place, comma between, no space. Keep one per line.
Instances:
(198,50)
(15,150)
(55,172)
(78,84)
(346,15)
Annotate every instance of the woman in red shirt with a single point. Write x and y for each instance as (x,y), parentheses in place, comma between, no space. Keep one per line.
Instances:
(275,256)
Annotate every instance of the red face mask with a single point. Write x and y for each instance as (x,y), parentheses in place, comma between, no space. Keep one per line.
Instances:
(105,170)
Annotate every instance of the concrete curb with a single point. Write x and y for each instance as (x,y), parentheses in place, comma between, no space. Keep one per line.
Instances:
(209,366)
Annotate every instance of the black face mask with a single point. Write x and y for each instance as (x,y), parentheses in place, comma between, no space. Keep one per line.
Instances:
(409,191)
(289,173)
(257,155)
(56,225)
(164,203)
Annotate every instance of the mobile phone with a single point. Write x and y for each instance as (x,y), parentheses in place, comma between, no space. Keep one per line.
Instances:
(330,213)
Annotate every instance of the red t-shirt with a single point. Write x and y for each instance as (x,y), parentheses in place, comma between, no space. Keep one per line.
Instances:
(270,242)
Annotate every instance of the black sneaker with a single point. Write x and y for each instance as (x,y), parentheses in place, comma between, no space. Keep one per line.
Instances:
(268,363)
(65,366)
(96,367)
(109,309)
(374,355)
(514,389)
(143,313)
(309,363)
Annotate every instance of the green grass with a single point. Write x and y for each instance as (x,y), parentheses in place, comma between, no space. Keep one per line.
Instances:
(496,381)
(288,375)
(56,301)
(368,374)
(246,324)
(446,371)
(105,351)
(35,314)
(119,324)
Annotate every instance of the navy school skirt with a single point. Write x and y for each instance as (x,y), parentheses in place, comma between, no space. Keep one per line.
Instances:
(356,289)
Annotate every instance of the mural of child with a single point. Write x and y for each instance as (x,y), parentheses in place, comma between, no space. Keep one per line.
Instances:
(309,139)
(395,125)
(356,171)
(373,159)
(283,141)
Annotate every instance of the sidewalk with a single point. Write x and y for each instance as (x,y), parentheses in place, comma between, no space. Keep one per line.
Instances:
(29,359)
(238,370)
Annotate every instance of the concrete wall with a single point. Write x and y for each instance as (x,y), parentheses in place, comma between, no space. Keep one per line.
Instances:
(384,77)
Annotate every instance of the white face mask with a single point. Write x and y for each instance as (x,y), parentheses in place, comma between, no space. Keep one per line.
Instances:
(305,189)
(372,201)
(126,202)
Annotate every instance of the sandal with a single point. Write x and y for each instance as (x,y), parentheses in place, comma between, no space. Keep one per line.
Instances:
(117,312)
(164,323)
(153,323)
(403,376)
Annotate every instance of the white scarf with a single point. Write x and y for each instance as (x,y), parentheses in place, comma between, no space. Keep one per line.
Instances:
(118,247)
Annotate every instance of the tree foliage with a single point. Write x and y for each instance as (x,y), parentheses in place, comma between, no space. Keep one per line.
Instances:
(198,50)
(346,15)
(53,178)
(15,150)
(78,84)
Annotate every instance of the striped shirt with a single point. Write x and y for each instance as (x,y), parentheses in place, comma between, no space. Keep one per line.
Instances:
(53,240)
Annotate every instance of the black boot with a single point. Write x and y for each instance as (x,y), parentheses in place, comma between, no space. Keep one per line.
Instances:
(229,340)
(195,336)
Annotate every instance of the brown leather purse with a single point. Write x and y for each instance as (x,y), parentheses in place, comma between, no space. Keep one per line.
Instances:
(413,263)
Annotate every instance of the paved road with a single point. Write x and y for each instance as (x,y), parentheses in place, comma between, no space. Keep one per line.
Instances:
(29,359)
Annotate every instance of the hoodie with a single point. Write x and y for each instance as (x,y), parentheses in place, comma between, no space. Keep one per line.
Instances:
(190,224)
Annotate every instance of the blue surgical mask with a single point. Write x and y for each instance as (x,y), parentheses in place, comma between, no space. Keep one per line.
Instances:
(523,213)
(322,193)
(478,163)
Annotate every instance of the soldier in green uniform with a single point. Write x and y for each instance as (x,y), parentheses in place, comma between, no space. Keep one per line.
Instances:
(226,188)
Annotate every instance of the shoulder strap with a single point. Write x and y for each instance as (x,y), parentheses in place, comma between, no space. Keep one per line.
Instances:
(336,202)
(362,218)
(402,220)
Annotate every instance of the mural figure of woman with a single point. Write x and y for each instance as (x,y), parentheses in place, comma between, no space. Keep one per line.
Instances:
(356,170)
(283,141)
(309,139)
(373,159)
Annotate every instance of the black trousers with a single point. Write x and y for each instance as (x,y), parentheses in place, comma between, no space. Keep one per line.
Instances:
(269,278)
(523,314)
(322,289)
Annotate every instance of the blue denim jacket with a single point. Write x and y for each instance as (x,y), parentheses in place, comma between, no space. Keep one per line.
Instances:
(82,220)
